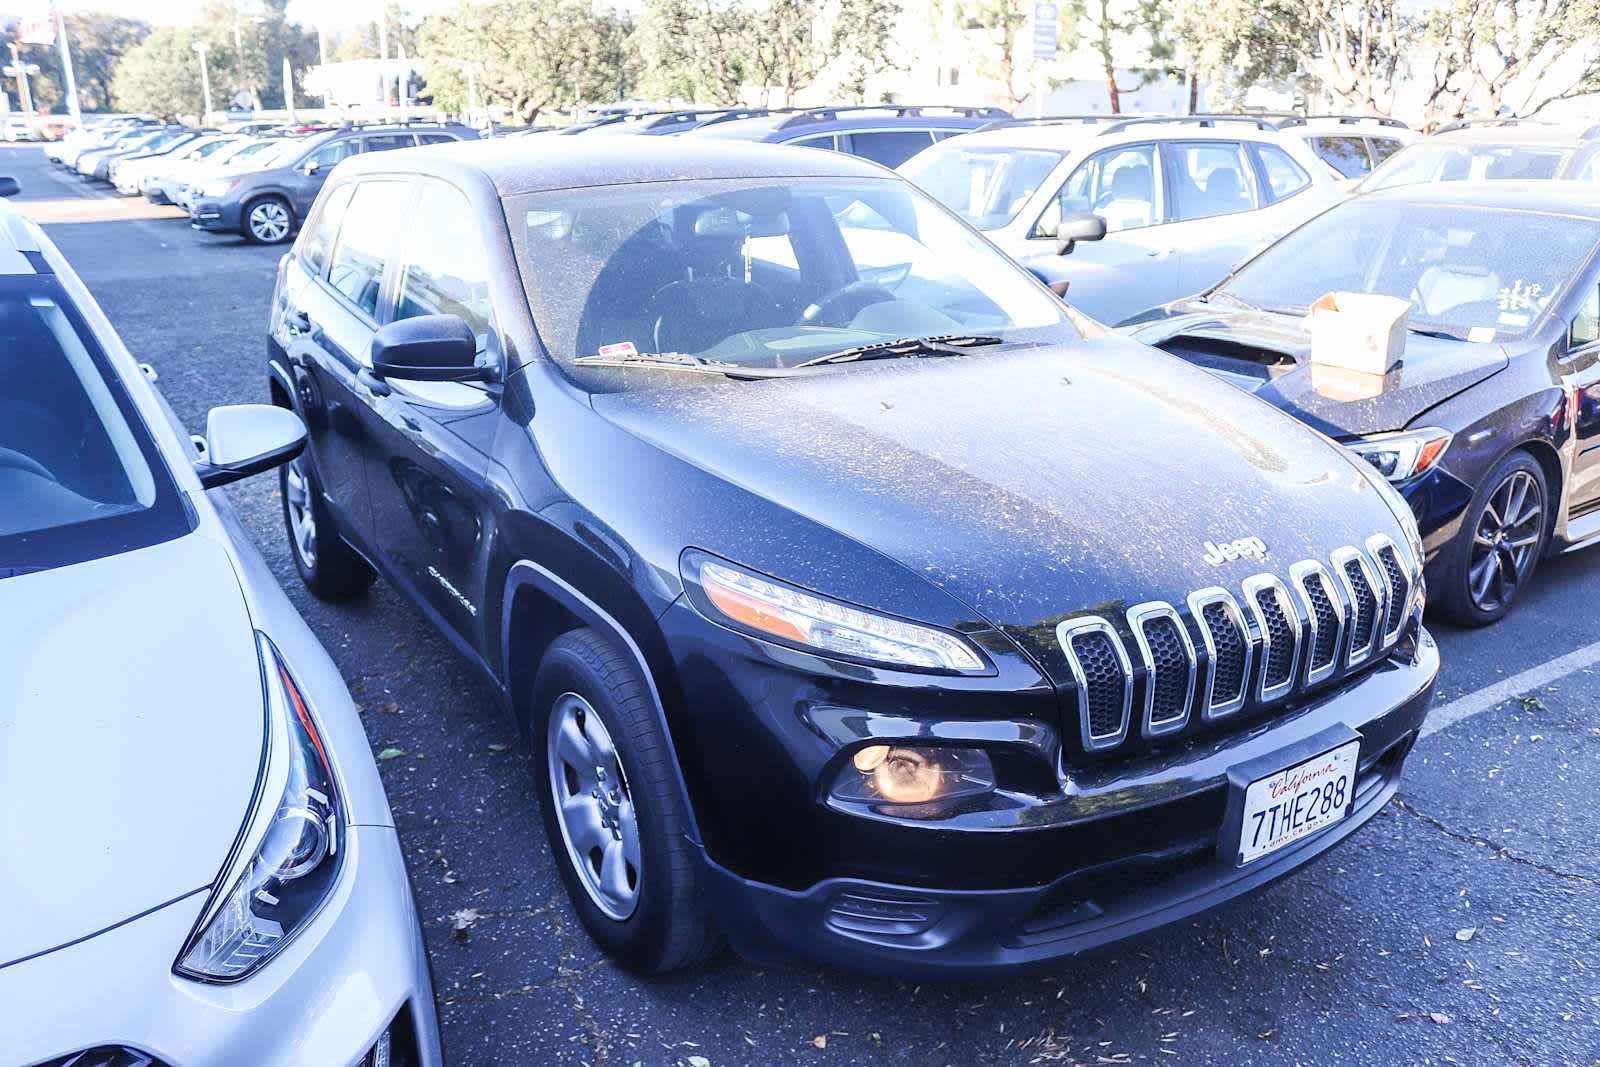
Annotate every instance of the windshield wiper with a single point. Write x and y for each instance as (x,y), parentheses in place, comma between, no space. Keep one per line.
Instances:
(1434,331)
(942,345)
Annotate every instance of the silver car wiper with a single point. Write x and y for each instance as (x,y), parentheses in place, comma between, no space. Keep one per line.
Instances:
(942,345)
(677,361)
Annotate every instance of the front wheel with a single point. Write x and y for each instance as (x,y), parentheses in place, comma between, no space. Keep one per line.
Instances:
(330,569)
(1501,540)
(613,814)
(268,220)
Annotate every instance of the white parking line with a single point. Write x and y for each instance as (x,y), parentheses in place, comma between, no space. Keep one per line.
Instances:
(1447,715)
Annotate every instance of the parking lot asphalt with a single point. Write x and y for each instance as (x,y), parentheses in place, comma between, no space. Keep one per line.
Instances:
(1461,927)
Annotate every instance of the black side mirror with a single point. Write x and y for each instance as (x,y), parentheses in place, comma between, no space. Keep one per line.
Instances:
(1079,226)
(9,186)
(428,348)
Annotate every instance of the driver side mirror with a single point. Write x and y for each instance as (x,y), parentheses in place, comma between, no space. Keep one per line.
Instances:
(310,167)
(428,348)
(9,186)
(1078,226)
(246,439)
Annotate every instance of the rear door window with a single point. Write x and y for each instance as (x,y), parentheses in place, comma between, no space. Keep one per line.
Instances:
(324,227)
(1284,177)
(1347,155)
(372,222)
(889,147)
(1209,178)
(384,142)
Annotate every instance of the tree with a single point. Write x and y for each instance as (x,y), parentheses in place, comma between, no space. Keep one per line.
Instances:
(862,39)
(784,50)
(1117,31)
(98,40)
(531,55)
(694,50)
(1518,55)
(1353,50)
(1011,61)
(160,75)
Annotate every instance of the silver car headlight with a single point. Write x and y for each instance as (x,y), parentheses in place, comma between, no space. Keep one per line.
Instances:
(288,859)
(790,615)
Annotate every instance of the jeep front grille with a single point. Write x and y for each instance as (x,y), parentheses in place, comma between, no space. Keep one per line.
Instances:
(1269,643)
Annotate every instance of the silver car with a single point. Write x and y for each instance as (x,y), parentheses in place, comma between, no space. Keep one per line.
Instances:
(1148,210)
(200,865)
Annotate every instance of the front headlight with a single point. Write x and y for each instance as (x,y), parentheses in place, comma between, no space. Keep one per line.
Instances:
(288,859)
(770,609)
(220,187)
(1399,457)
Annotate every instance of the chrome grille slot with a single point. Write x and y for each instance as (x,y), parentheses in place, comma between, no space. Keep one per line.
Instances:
(1324,612)
(1361,590)
(1228,651)
(1279,623)
(1104,678)
(1396,585)
(1169,661)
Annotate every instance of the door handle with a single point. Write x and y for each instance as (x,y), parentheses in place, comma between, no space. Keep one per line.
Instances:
(1159,253)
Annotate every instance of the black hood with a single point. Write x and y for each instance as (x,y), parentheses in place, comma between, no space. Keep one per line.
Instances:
(1031,483)
(1269,354)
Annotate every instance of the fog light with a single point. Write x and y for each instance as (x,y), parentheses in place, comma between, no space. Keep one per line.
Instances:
(905,774)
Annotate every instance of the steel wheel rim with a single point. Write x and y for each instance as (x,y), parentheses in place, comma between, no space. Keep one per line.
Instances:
(297,506)
(269,221)
(1505,542)
(593,806)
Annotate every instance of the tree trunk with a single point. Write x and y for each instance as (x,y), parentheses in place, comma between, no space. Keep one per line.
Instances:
(1194,93)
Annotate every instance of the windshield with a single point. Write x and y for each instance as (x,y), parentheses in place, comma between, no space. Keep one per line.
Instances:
(1443,161)
(78,476)
(761,273)
(1472,272)
(985,186)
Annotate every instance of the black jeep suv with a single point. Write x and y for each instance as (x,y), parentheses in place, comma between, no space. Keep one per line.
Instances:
(859,599)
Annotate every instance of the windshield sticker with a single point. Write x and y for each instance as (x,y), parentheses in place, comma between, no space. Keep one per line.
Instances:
(1481,334)
(1520,296)
(1506,318)
(620,349)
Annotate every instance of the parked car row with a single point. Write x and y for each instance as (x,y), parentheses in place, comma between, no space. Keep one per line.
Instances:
(776,495)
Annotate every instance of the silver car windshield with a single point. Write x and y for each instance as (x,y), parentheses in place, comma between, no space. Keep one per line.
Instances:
(987,186)
(77,473)
(1443,161)
(1471,272)
(762,273)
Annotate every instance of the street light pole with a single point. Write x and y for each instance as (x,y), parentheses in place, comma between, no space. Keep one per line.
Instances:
(205,79)
(69,80)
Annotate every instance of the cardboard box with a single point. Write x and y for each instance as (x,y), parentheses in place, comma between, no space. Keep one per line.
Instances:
(1358,331)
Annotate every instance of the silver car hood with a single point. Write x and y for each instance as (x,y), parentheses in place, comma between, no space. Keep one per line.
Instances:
(131,732)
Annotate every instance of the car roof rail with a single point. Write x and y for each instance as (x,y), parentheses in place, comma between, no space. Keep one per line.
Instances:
(1013,121)
(692,117)
(1204,121)
(1349,120)
(831,112)
(734,114)
(1499,120)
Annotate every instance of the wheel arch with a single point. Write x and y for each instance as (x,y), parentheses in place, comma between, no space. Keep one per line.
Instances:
(539,606)
(1544,453)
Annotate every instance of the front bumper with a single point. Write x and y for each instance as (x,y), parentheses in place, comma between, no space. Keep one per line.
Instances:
(1125,880)
(359,969)
(206,213)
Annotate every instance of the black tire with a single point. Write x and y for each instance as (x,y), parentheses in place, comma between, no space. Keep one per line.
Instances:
(1470,592)
(668,926)
(267,220)
(330,569)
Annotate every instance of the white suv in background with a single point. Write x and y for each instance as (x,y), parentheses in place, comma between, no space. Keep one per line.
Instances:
(1353,145)
(1183,200)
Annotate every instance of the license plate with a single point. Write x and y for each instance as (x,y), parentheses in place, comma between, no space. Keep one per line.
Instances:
(1295,803)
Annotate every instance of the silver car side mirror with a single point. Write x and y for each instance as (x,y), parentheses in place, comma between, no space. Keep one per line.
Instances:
(246,439)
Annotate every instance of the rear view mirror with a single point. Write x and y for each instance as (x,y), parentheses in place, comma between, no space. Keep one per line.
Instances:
(246,439)
(9,186)
(427,348)
(1079,226)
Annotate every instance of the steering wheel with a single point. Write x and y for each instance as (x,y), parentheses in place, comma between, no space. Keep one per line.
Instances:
(10,457)
(838,307)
